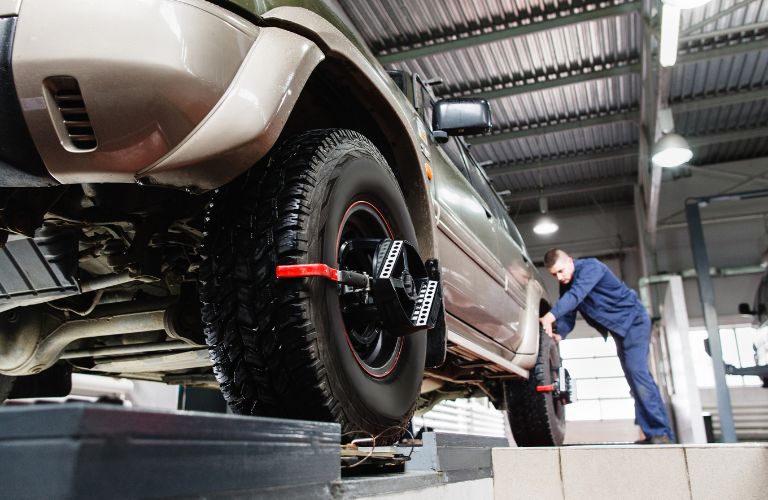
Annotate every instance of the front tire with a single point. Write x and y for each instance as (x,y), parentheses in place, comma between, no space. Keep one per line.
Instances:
(537,418)
(286,348)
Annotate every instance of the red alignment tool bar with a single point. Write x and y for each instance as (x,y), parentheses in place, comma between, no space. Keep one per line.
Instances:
(305,270)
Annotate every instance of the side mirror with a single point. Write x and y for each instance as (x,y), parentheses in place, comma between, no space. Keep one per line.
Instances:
(745,310)
(462,116)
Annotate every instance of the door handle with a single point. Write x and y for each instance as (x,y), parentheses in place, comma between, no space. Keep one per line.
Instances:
(488,213)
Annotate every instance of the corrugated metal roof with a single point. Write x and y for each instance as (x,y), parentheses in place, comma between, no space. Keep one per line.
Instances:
(563,175)
(394,26)
(561,50)
(388,25)
(723,118)
(606,197)
(556,144)
(748,13)
(730,151)
(587,98)
(719,76)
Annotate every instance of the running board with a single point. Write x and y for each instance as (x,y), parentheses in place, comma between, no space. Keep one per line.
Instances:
(486,354)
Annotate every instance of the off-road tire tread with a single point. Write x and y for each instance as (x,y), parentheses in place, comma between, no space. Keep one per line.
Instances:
(264,347)
(527,408)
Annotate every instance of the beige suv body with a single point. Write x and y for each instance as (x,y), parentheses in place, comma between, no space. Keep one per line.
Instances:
(124,116)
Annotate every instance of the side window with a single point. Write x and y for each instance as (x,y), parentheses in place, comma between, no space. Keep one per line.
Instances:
(479,181)
(424,103)
(488,193)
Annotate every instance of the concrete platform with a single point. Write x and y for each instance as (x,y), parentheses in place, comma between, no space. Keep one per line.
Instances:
(675,472)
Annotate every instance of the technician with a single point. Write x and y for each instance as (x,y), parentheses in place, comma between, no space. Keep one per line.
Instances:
(609,306)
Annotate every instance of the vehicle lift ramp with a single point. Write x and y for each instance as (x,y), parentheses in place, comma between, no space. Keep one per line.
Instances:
(88,451)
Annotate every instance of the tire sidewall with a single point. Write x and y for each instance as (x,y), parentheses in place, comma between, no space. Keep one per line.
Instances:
(358,176)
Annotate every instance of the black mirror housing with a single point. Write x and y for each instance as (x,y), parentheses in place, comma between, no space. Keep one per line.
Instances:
(462,116)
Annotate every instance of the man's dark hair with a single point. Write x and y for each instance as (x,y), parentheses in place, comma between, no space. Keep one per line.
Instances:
(551,256)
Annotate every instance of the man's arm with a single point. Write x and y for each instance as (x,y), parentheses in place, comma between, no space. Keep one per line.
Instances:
(558,328)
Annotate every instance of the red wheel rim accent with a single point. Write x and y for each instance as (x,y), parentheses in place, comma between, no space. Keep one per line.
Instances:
(400,341)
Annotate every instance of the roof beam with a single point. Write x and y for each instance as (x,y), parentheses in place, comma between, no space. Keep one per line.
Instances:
(720,100)
(731,136)
(610,183)
(529,216)
(464,40)
(550,80)
(516,168)
(728,50)
(724,32)
(544,128)
(711,19)
(760,161)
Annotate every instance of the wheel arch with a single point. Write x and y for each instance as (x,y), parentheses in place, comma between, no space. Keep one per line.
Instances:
(529,325)
(357,104)
(348,89)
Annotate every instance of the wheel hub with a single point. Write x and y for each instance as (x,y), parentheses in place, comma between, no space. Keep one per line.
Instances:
(403,295)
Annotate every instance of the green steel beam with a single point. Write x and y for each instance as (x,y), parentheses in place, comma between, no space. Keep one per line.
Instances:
(516,168)
(721,100)
(711,19)
(729,136)
(724,32)
(728,50)
(557,127)
(550,81)
(470,40)
(609,183)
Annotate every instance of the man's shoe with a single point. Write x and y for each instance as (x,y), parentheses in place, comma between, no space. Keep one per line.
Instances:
(662,439)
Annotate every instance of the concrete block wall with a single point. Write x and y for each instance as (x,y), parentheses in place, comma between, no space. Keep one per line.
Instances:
(653,472)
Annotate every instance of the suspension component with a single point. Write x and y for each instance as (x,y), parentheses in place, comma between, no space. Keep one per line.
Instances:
(562,389)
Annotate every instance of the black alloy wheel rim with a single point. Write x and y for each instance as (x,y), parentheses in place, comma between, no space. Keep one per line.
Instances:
(375,349)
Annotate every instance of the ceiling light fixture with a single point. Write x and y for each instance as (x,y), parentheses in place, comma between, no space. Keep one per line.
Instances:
(545,225)
(672,150)
(670,28)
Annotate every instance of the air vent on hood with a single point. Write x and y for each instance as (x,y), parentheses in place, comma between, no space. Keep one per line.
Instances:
(75,125)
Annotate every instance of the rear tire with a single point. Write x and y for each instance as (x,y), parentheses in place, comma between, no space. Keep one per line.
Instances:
(284,348)
(536,418)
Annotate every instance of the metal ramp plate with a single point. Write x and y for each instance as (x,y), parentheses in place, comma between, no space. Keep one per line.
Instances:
(458,456)
(442,459)
(95,451)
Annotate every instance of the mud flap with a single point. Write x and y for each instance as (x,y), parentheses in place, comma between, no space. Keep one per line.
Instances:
(437,343)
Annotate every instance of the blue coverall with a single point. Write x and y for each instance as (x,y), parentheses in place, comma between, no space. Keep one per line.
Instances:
(609,306)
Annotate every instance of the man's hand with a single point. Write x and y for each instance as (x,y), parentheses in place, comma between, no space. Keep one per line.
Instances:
(546,322)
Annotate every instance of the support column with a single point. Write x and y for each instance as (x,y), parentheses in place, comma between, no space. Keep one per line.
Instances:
(707,294)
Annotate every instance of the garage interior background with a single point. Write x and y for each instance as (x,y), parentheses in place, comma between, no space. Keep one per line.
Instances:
(576,97)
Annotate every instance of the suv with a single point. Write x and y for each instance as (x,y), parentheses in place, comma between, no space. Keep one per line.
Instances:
(235,194)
